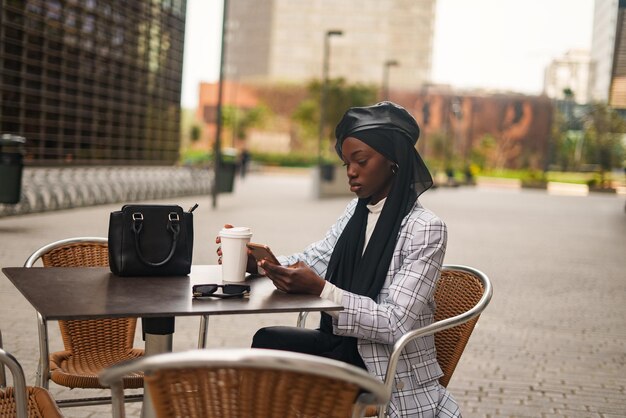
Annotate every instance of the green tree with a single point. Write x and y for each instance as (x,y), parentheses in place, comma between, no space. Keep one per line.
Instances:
(440,147)
(195,133)
(484,154)
(307,116)
(563,142)
(239,121)
(568,93)
(340,97)
(604,131)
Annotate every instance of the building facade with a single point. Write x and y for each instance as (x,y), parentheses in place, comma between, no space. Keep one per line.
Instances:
(283,40)
(454,127)
(571,71)
(607,82)
(617,90)
(602,46)
(92,81)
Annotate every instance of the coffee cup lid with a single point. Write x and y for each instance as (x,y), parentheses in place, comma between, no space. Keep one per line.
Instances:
(236,232)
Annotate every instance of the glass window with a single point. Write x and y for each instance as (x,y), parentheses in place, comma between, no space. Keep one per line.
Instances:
(34,7)
(88,23)
(70,18)
(54,10)
(118,36)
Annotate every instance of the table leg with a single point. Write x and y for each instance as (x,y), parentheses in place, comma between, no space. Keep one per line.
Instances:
(204,329)
(158,334)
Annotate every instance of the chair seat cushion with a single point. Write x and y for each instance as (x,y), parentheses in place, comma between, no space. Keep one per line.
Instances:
(76,371)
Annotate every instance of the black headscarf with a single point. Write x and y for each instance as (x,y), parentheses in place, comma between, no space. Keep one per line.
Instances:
(390,130)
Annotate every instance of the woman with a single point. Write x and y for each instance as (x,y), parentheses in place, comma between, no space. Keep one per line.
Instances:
(380,260)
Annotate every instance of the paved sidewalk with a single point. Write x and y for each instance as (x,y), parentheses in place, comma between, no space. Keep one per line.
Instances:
(552,342)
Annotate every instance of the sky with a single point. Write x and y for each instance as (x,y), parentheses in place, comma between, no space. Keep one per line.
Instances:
(495,44)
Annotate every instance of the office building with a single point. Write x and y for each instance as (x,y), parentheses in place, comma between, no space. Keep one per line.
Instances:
(607,81)
(602,46)
(571,71)
(283,40)
(92,81)
(617,91)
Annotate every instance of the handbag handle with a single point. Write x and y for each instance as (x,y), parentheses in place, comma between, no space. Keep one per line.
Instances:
(172,225)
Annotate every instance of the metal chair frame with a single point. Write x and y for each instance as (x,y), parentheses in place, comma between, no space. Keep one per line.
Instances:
(372,390)
(43,368)
(433,328)
(19,381)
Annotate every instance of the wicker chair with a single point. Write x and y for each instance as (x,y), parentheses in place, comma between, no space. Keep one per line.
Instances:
(90,345)
(249,383)
(462,293)
(22,401)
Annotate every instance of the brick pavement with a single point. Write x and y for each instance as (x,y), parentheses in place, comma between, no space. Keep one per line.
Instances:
(552,342)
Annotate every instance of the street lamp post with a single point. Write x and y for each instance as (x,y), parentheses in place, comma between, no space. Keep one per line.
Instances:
(324,92)
(388,63)
(218,123)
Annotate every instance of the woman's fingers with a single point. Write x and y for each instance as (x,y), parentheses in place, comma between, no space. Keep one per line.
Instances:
(284,278)
(218,240)
(274,273)
(297,278)
(274,269)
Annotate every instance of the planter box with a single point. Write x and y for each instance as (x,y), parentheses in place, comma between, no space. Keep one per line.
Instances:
(330,181)
(534,184)
(602,189)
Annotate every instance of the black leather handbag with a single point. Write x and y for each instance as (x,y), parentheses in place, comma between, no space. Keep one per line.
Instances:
(151,240)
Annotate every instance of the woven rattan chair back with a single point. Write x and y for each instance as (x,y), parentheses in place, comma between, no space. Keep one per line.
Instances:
(462,293)
(77,254)
(457,292)
(19,400)
(250,393)
(250,383)
(90,345)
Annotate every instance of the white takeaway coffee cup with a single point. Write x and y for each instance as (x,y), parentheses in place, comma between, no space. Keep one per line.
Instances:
(234,253)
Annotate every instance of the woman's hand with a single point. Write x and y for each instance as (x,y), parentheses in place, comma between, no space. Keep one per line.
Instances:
(251,266)
(297,278)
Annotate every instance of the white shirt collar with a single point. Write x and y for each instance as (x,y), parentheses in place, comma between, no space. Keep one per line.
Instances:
(378,207)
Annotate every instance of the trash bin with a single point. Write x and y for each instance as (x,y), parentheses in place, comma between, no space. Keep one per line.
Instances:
(327,172)
(226,177)
(11,167)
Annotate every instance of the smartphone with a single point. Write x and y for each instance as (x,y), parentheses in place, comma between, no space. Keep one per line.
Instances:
(262,252)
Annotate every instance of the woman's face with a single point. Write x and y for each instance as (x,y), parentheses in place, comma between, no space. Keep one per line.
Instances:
(369,173)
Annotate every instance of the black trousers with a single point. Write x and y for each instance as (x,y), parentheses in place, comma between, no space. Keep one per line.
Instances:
(308,341)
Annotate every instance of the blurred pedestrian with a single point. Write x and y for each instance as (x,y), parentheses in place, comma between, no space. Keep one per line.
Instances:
(244,160)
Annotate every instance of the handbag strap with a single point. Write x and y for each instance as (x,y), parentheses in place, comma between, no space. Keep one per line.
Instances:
(173,226)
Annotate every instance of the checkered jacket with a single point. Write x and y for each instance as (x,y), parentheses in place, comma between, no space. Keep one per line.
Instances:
(405,302)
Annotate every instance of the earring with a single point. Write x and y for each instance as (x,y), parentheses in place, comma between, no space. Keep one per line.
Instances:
(394,168)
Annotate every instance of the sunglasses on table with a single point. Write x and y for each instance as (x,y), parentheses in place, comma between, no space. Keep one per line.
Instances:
(228,290)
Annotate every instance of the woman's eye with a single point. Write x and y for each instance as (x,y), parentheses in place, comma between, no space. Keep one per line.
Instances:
(362,162)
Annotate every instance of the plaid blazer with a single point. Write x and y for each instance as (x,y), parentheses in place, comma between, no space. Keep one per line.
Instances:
(405,302)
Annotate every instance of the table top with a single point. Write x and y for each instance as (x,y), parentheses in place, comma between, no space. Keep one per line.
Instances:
(95,292)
